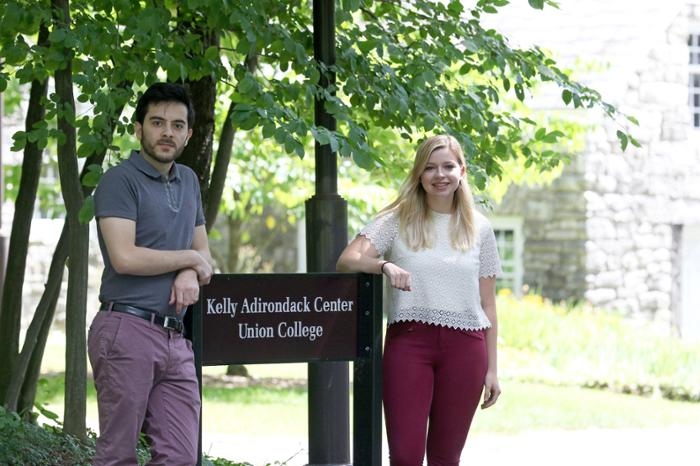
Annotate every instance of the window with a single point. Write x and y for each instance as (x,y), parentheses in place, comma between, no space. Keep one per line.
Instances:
(694,78)
(509,239)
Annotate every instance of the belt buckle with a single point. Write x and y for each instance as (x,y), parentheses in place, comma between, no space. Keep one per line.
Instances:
(172,323)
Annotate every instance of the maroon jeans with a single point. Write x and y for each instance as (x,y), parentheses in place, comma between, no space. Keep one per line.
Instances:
(145,380)
(433,379)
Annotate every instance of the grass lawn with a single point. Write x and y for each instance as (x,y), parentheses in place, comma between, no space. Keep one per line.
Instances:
(524,406)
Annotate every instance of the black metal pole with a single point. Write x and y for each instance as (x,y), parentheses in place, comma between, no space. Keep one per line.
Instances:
(367,376)
(326,236)
(193,331)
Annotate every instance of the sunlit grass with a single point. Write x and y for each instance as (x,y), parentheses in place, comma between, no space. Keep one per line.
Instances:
(527,406)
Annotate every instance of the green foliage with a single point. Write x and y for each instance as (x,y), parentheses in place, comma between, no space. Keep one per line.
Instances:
(25,443)
(409,68)
(588,347)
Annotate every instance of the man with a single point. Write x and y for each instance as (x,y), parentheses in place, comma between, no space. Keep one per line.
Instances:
(156,255)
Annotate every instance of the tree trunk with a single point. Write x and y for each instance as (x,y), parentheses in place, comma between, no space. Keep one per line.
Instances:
(11,308)
(197,154)
(22,390)
(220,170)
(223,158)
(234,243)
(28,367)
(234,246)
(78,240)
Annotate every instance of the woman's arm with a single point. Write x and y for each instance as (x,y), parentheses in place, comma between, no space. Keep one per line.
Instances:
(487,292)
(361,256)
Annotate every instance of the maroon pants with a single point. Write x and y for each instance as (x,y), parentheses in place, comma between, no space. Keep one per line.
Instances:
(145,380)
(433,379)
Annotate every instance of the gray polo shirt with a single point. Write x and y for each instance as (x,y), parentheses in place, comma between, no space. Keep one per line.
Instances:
(166,211)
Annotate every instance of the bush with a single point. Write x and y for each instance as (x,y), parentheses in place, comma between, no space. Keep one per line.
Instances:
(24,443)
(555,343)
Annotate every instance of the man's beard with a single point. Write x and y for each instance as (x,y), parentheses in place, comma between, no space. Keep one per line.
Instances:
(151,152)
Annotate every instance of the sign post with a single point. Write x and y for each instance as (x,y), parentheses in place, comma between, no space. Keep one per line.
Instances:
(279,318)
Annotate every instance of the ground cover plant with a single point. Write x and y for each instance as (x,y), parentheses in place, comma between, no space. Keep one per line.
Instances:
(578,345)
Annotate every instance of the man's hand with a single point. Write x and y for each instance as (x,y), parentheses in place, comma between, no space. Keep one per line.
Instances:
(185,289)
(203,269)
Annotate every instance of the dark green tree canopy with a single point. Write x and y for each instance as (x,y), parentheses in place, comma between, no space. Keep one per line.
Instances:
(403,68)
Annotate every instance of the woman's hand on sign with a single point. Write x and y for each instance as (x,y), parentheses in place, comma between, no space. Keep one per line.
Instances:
(398,277)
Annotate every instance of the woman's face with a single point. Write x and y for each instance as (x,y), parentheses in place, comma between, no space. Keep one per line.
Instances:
(440,178)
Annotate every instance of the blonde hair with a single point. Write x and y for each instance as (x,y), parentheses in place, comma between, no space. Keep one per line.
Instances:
(415,218)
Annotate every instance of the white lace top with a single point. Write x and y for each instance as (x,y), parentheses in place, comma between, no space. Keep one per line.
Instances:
(444,281)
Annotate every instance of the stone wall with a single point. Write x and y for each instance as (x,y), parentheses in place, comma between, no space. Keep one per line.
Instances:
(554,229)
(604,231)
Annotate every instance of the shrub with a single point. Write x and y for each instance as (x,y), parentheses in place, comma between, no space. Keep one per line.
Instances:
(25,443)
(560,344)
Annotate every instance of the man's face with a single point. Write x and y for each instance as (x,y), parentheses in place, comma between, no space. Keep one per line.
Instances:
(164,132)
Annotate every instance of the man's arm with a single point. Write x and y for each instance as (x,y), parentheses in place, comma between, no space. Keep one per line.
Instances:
(119,236)
(200,243)
(185,289)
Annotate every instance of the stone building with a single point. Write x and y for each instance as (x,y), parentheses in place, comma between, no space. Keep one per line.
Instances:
(620,230)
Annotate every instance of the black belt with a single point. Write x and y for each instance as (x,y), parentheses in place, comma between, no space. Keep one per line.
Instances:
(169,322)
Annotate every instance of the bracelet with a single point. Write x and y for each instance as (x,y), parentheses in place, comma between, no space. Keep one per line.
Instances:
(382,267)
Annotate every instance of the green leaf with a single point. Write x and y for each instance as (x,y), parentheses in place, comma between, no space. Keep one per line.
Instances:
(20,141)
(519,92)
(248,86)
(552,137)
(363,159)
(501,149)
(87,210)
(577,100)
(566,96)
(350,5)
(536,4)
(506,84)
(428,122)
(623,139)
(366,46)
(268,130)
(93,175)
(212,53)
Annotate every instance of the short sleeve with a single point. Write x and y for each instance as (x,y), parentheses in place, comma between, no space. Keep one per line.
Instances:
(193,182)
(382,231)
(115,196)
(489,260)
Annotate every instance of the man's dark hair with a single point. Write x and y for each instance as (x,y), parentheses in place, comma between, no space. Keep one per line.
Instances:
(164,92)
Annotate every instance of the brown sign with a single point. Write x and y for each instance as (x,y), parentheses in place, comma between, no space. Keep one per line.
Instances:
(264,318)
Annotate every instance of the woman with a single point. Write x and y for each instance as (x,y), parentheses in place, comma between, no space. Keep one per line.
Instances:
(440,256)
